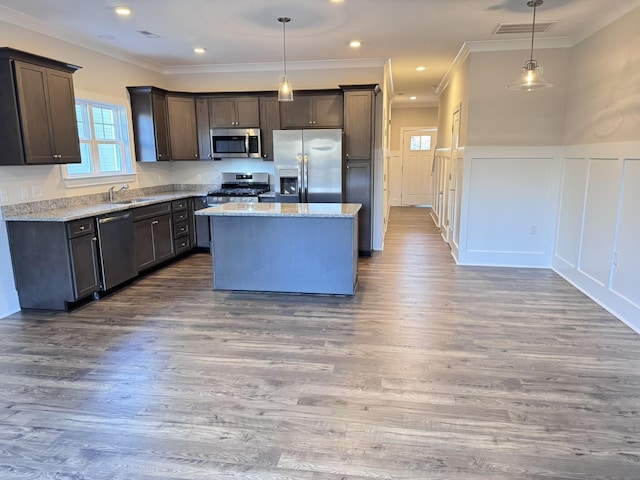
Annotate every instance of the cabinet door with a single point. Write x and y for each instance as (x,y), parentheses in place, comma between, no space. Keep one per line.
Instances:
(328,111)
(35,115)
(358,190)
(145,252)
(247,112)
(202,122)
(84,266)
(222,112)
(182,128)
(297,114)
(269,121)
(202,231)
(64,126)
(163,238)
(160,123)
(358,123)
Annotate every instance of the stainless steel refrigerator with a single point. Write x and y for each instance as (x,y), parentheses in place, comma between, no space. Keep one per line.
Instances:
(308,165)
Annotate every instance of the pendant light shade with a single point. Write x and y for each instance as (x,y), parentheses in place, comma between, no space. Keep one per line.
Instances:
(285,92)
(531,77)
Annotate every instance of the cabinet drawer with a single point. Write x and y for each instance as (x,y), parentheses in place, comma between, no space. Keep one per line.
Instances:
(182,244)
(178,205)
(80,227)
(180,216)
(181,229)
(150,211)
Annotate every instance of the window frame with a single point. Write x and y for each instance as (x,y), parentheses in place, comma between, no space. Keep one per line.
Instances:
(127,170)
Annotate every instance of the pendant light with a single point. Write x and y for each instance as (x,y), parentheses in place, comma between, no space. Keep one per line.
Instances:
(285,92)
(531,78)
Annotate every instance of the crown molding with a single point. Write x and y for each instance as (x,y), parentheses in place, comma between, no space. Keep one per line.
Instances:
(276,66)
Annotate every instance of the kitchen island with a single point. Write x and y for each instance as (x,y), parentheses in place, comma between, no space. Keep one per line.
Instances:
(285,247)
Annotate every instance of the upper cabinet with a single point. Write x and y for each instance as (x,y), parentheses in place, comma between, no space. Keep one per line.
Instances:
(313,110)
(234,112)
(183,131)
(358,122)
(150,123)
(269,121)
(37,110)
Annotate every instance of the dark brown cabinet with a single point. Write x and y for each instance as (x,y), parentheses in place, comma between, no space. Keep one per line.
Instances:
(202,123)
(234,112)
(153,233)
(358,190)
(269,121)
(201,232)
(150,124)
(319,110)
(37,110)
(183,131)
(358,124)
(182,218)
(359,133)
(69,253)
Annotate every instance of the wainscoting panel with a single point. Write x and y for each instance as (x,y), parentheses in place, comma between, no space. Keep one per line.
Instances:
(509,206)
(606,245)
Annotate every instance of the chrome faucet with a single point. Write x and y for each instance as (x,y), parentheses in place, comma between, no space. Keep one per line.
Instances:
(112,191)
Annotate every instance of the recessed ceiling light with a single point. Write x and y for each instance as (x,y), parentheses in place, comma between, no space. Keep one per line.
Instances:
(355,43)
(199,50)
(413,97)
(421,68)
(336,1)
(124,11)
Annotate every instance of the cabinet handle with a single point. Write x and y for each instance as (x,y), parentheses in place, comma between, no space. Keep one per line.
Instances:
(155,222)
(82,227)
(94,239)
(347,155)
(195,155)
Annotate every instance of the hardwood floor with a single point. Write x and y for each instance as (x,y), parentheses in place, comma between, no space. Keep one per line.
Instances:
(432,371)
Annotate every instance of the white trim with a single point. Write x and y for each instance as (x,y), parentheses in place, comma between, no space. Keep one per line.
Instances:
(91,180)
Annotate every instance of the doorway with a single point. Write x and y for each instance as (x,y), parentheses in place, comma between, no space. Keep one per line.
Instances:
(412,175)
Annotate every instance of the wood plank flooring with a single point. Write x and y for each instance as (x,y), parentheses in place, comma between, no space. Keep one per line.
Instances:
(432,371)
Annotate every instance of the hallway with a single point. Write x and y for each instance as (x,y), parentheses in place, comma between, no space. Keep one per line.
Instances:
(431,371)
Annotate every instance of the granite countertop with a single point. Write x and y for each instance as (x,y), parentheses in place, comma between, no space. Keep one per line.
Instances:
(238,209)
(77,211)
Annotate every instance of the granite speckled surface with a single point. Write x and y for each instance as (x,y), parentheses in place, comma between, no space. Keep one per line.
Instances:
(327,210)
(73,208)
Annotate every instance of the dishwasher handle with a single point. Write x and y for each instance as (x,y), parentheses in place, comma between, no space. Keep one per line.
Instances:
(114,218)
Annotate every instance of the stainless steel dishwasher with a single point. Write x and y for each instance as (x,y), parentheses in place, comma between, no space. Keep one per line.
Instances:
(117,249)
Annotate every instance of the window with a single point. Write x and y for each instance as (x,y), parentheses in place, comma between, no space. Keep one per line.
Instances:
(420,142)
(104,141)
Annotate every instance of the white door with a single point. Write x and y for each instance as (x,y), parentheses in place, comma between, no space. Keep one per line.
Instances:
(453,177)
(417,161)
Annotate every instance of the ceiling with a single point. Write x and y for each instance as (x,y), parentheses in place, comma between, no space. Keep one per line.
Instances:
(242,33)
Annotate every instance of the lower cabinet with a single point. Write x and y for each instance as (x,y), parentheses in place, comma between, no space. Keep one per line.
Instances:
(181,225)
(55,264)
(201,231)
(358,190)
(153,233)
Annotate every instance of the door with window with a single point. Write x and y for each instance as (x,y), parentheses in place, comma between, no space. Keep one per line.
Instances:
(417,163)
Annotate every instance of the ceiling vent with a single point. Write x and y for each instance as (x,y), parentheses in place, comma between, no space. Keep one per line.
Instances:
(510,28)
(149,34)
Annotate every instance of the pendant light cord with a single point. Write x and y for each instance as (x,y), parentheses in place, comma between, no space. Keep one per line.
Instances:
(533,28)
(284,21)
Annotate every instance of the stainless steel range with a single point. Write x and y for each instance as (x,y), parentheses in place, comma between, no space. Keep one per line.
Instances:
(239,187)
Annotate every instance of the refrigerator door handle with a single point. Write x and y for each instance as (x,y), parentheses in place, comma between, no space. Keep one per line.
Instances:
(300,179)
(306,178)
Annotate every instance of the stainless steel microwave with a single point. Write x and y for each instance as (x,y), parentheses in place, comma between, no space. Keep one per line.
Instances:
(235,142)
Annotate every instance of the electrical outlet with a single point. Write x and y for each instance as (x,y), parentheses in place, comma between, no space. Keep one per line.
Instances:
(24,193)
(534,229)
(36,191)
(616,258)
(4,196)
